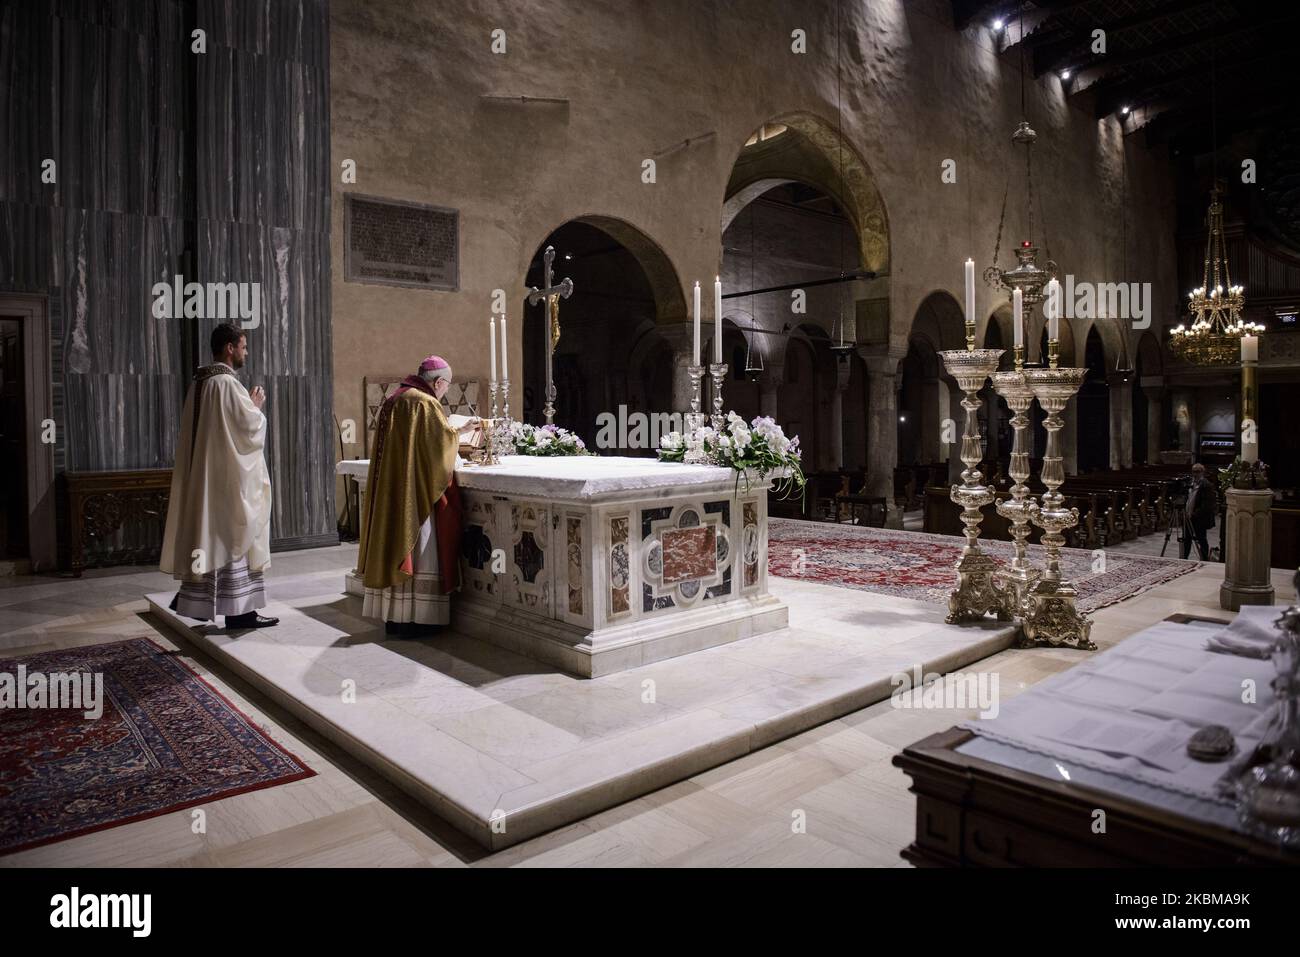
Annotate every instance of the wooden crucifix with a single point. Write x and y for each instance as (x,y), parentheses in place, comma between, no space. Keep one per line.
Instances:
(551,294)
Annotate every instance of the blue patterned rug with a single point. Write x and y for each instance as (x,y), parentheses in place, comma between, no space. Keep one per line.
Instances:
(165,740)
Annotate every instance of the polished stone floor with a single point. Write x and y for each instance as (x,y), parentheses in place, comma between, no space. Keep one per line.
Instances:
(835,777)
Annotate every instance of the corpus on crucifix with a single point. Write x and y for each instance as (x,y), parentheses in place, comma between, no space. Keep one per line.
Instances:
(551,294)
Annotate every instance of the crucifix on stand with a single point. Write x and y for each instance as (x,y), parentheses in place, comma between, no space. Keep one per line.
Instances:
(551,294)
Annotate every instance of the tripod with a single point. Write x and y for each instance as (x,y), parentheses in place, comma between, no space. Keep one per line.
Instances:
(1177,514)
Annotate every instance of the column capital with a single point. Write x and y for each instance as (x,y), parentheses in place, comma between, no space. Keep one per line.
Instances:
(882,361)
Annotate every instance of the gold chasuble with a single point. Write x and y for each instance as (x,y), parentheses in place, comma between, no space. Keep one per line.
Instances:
(411,489)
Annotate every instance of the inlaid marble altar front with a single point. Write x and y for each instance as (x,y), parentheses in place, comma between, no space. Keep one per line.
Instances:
(598,564)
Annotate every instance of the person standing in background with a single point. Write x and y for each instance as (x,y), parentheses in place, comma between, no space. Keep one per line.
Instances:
(1202,506)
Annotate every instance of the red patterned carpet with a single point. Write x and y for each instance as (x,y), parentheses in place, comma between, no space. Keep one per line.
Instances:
(922,566)
(166,740)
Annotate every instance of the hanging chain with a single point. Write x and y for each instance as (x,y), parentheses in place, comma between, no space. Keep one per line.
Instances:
(1002,218)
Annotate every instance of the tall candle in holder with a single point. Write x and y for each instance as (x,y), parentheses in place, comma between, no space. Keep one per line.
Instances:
(970,304)
(717,319)
(695,352)
(975,595)
(1051,614)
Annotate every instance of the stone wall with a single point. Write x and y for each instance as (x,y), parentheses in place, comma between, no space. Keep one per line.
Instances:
(685,83)
(210,164)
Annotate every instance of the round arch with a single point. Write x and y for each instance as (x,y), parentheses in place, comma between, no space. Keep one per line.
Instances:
(660,273)
(595,368)
(941,319)
(820,156)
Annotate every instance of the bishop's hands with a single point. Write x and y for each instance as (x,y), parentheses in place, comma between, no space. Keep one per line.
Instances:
(258,395)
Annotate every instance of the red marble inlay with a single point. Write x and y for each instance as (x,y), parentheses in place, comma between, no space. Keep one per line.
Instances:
(689,553)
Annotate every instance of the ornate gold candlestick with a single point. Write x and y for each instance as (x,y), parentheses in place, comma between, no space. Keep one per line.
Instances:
(975,595)
(1050,614)
(1017,580)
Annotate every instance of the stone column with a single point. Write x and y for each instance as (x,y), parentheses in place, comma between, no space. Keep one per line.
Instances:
(882,432)
(1069,437)
(769,388)
(1184,413)
(933,411)
(1153,387)
(843,367)
(1121,421)
(681,337)
(1248,549)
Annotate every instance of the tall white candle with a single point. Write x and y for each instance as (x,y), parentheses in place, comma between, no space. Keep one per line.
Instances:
(1053,309)
(1018,317)
(492,345)
(505,347)
(1250,348)
(717,319)
(695,355)
(970,290)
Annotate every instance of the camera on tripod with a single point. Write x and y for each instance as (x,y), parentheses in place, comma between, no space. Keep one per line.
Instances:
(1178,491)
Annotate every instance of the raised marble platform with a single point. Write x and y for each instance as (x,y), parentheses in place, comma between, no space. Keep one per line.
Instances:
(597,564)
(505,748)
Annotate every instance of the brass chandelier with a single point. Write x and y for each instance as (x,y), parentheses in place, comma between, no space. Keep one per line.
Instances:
(1214,336)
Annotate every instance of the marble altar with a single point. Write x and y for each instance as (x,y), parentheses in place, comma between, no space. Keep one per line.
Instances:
(597,564)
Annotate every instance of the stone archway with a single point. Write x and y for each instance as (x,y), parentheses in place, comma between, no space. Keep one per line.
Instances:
(810,156)
(626,296)
(813,151)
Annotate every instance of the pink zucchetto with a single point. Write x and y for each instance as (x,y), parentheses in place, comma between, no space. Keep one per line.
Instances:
(435,367)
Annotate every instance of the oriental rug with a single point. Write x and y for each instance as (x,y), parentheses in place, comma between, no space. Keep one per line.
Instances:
(922,566)
(165,740)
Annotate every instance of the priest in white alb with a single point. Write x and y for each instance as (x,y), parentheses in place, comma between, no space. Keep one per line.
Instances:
(217,540)
(409,559)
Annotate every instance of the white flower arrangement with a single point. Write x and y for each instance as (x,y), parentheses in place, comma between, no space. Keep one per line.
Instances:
(760,447)
(545,440)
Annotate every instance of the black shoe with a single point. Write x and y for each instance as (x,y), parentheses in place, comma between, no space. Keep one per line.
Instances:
(175,598)
(250,620)
(410,629)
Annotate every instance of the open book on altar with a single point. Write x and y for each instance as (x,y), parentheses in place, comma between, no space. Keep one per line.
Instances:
(472,439)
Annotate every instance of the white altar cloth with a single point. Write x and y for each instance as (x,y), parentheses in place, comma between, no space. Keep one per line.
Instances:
(586,476)
(597,564)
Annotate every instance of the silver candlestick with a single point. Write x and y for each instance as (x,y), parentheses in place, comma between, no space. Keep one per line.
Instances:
(502,440)
(718,372)
(1017,580)
(975,595)
(695,419)
(1051,616)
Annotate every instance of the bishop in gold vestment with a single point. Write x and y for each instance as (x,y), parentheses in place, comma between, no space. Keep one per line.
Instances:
(410,539)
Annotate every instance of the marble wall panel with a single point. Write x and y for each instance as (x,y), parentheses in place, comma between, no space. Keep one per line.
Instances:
(215,165)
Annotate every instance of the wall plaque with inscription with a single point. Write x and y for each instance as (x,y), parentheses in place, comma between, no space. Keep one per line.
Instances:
(397,243)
